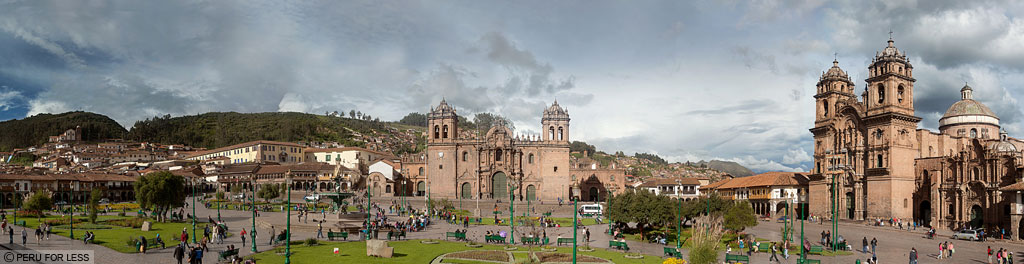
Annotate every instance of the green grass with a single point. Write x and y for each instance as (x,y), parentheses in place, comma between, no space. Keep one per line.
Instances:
(412,251)
(460,261)
(520,255)
(116,237)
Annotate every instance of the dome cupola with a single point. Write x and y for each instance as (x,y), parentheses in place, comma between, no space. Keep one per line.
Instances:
(968,114)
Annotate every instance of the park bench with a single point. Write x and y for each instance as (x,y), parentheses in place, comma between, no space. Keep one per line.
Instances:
(545,241)
(225,255)
(494,238)
(280,238)
(816,250)
(150,243)
(673,252)
(731,258)
(396,234)
(456,235)
(808,261)
(332,235)
(529,240)
(401,235)
(20,223)
(618,245)
(764,247)
(563,241)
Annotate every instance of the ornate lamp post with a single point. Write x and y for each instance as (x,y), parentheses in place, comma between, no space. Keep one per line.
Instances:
(193,180)
(288,223)
(679,219)
(512,213)
(252,202)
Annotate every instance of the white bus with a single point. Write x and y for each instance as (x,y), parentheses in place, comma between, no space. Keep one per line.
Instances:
(591,209)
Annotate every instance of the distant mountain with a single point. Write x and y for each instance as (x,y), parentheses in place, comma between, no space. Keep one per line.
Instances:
(732,168)
(218,129)
(36,130)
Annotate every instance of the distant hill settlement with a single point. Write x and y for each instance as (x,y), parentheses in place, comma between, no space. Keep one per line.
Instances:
(454,164)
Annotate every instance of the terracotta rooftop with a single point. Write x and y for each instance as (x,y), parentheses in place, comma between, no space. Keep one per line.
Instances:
(670,181)
(764,179)
(1013,187)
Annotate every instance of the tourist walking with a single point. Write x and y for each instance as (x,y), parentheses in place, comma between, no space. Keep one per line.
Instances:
(874,244)
(989,255)
(942,251)
(271,236)
(865,243)
(179,253)
(951,249)
(776,258)
(242,234)
(913,256)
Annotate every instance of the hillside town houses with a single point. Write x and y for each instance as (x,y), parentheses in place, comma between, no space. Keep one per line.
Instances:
(69,168)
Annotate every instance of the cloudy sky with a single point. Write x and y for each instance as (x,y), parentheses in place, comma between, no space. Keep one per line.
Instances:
(688,80)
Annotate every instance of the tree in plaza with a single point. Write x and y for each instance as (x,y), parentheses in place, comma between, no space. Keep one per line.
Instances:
(94,201)
(641,207)
(697,207)
(220,195)
(740,216)
(268,191)
(39,202)
(160,191)
(236,189)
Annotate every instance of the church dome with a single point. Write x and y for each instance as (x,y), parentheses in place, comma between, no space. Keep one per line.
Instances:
(1003,145)
(967,110)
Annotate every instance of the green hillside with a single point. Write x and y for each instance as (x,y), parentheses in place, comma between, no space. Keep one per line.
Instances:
(218,129)
(35,130)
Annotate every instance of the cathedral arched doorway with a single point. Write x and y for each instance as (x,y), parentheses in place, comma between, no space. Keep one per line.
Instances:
(499,186)
(467,191)
(1020,230)
(849,205)
(376,190)
(421,188)
(531,192)
(977,216)
(593,194)
(925,215)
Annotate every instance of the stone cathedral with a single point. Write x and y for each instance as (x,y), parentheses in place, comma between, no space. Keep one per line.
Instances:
(869,150)
(463,166)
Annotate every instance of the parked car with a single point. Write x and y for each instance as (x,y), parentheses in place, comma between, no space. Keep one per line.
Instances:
(104,201)
(971,235)
(312,197)
(238,196)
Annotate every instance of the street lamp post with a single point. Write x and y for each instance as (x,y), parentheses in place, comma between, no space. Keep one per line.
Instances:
(193,210)
(679,218)
(575,211)
(512,213)
(288,223)
(368,196)
(252,202)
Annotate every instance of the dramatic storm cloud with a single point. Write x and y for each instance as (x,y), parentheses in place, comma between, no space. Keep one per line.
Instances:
(688,80)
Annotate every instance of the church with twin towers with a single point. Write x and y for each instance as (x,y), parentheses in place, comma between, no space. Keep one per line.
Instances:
(872,162)
(468,166)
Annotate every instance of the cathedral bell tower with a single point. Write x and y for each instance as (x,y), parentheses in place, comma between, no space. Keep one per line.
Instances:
(834,86)
(442,124)
(555,124)
(891,133)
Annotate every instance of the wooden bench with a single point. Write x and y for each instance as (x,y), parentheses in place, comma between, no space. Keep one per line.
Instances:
(495,239)
(816,250)
(673,252)
(731,258)
(224,255)
(280,238)
(332,235)
(764,247)
(808,261)
(618,245)
(150,243)
(529,240)
(563,241)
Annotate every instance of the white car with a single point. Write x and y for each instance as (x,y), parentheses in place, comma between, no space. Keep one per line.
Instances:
(971,235)
(312,197)
(238,196)
(591,209)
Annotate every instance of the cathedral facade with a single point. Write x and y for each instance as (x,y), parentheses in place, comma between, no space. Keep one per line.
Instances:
(871,160)
(488,167)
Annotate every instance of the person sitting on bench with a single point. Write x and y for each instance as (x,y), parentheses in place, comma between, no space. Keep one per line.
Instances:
(160,241)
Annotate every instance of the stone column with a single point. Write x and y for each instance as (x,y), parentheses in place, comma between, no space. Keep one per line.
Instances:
(858,200)
(1016,212)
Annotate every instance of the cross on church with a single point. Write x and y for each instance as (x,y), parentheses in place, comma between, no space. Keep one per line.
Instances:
(890,33)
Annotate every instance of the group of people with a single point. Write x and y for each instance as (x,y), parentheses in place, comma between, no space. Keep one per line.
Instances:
(1002,256)
(946,250)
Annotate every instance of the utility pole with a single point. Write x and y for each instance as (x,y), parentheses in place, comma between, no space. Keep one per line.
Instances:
(193,210)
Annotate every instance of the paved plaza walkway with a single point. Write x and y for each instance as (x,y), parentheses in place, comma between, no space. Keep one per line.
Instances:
(894,245)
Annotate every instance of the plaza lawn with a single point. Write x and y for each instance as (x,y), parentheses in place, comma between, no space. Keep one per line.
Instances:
(412,251)
(116,237)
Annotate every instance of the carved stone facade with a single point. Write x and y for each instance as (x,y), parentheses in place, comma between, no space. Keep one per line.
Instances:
(485,168)
(870,151)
